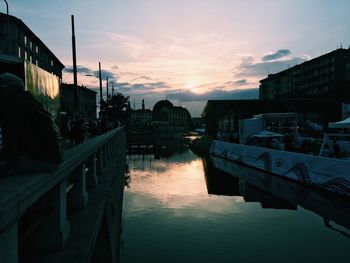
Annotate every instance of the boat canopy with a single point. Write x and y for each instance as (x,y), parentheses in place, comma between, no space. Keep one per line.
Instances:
(340,124)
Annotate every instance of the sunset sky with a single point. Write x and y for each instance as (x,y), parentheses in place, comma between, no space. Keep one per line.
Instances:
(187,51)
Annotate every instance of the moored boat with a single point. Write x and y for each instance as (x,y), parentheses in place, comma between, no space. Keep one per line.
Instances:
(321,171)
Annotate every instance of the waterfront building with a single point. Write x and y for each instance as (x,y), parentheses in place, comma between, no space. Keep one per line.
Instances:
(327,76)
(86,98)
(318,90)
(224,115)
(197,122)
(166,114)
(18,41)
(142,116)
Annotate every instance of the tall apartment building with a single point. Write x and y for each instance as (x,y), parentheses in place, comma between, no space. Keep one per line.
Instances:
(327,76)
(18,41)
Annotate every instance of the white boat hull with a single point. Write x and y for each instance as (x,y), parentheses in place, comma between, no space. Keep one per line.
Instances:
(326,173)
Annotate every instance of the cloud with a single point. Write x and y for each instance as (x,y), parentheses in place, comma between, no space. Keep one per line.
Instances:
(141,78)
(106,73)
(240,82)
(219,94)
(80,69)
(248,68)
(92,72)
(279,54)
(140,88)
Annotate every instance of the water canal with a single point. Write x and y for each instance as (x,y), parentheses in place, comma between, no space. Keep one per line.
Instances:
(179,208)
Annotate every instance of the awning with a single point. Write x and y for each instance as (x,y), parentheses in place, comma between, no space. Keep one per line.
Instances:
(340,124)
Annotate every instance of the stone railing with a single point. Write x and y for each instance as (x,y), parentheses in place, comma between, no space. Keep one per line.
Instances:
(79,172)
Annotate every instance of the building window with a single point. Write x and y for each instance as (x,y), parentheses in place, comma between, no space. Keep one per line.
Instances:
(51,63)
(30,45)
(37,49)
(25,55)
(19,52)
(25,40)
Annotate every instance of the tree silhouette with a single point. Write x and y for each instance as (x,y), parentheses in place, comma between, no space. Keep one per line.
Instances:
(116,108)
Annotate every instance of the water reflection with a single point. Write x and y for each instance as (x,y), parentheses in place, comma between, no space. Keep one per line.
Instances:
(180,208)
(166,179)
(160,146)
(275,192)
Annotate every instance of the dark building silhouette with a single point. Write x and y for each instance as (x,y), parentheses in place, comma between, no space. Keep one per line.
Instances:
(86,98)
(166,114)
(22,53)
(141,118)
(327,76)
(197,122)
(17,40)
(224,115)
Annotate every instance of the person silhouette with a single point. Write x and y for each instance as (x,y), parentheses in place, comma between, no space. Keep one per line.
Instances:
(30,136)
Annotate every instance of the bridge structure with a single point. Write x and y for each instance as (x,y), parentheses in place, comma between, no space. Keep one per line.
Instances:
(73,214)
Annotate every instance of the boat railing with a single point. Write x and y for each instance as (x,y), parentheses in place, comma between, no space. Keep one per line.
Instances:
(328,145)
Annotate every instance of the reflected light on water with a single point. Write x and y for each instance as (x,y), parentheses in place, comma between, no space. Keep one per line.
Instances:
(171,180)
(177,185)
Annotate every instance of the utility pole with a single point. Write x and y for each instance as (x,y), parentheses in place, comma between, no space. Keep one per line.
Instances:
(99,75)
(76,99)
(107,88)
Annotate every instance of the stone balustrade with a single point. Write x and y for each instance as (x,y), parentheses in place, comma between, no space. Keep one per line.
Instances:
(68,187)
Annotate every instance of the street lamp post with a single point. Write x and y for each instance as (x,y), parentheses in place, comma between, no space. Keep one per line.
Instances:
(100,77)
(75,78)
(7,7)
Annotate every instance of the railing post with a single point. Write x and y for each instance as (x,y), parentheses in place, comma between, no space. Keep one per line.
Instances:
(104,156)
(99,163)
(78,197)
(109,153)
(111,148)
(9,244)
(55,230)
(115,143)
(91,178)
